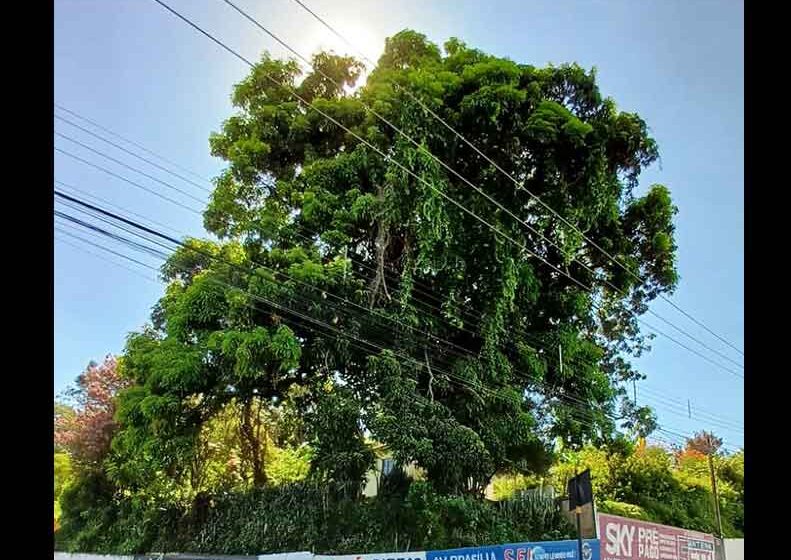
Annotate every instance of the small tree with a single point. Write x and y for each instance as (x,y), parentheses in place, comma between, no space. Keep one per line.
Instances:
(704,442)
(84,428)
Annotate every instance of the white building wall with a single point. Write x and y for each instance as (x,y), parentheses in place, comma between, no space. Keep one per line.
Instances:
(734,549)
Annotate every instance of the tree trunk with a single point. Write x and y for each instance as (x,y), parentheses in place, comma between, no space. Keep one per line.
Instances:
(381,244)
(251,446)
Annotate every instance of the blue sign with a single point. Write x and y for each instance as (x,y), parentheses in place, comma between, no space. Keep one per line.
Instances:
(551,550)
(548,550)
(475,553)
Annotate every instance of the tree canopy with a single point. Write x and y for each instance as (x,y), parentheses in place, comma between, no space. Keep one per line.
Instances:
(353,297)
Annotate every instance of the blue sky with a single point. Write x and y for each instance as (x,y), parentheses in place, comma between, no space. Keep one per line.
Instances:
(137,70)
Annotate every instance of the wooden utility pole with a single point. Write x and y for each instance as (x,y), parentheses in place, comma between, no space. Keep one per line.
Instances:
(707,444)
(714,492)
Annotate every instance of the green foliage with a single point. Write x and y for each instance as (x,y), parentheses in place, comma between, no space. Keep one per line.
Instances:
(341,455)
(303,196)
(306,516)
(289,464)
(63,477)
(395,484)
(343,299)
(63,472)
(653,484)
(86,512)
(624,510)
(504,486)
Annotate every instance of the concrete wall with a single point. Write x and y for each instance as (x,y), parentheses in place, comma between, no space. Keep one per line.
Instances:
(734,549)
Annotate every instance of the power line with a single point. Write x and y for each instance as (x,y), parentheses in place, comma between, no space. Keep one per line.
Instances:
(133,183)
(131,153)
(681,403)
(353,304)
(113,205)
(99,256)
(456,351)
(270,302)
(517,183)
(552,392)
(122,164)
(432,307)
(389,159)
(686,411)
(128,141)
(451,378)
(686,405)
(111,235)
(478,317)
(137,246)
(684,346)
(682,414)
(179,243)
(89,242)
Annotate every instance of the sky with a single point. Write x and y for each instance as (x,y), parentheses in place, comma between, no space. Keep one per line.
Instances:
(137,70)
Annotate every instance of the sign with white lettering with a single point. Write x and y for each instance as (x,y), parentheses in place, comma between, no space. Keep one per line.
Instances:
(630,539)
(477,553)
(550,550)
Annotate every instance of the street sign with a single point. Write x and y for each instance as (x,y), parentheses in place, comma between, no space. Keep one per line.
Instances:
(580,490)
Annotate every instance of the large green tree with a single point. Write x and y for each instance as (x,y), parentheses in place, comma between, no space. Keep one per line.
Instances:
(436,325)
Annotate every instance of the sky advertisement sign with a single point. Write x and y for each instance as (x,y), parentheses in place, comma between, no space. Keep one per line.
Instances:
(630,539)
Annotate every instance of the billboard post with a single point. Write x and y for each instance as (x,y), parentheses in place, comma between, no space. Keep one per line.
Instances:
(580,493)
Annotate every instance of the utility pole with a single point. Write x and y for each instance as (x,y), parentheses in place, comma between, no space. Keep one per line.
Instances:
(707,444)
(714,492)
(577,511)
(578,508)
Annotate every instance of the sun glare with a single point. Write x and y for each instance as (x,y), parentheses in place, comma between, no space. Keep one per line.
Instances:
(362,42)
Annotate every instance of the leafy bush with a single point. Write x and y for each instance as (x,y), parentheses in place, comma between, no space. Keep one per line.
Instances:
(622,509)
(308,516)
(507,485)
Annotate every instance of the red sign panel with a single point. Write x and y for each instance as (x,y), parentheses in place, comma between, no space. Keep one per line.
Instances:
(630,539)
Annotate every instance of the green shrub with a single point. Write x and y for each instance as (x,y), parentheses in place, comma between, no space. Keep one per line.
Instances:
(309,516)
(623,509)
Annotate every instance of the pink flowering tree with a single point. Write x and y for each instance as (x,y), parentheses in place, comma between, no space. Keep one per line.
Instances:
(84,427)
